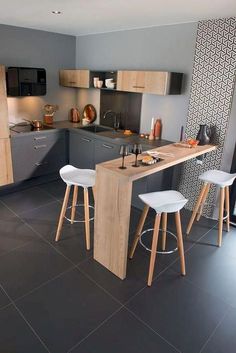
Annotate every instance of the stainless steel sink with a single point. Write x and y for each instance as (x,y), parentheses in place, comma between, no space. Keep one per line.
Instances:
(106,132)
(96,128)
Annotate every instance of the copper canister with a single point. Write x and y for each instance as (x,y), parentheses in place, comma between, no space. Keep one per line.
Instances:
(74,115)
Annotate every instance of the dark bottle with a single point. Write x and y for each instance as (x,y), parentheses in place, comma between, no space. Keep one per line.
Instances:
(203,135)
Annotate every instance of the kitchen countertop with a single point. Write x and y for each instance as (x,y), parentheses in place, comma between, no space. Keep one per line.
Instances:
(110,136)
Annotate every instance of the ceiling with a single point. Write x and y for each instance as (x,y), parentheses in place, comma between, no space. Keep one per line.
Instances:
(80,17)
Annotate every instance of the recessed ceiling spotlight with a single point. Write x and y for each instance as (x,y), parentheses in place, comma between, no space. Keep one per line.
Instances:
(56,12)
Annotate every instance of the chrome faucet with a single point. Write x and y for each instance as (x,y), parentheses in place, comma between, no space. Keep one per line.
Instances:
(116,121)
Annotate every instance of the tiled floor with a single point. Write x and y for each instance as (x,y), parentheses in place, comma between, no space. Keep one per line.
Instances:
(56,298)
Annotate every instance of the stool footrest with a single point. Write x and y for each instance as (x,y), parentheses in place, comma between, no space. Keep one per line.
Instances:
(78,220)
(165,252)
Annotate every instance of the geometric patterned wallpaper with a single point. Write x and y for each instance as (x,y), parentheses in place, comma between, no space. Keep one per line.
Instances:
(211,95)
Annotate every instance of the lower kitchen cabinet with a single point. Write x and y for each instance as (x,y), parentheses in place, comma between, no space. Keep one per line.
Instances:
(86,151)
(105,151)
(81,150)
(38,154)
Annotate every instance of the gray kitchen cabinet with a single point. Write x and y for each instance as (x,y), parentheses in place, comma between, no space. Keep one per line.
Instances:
(81,150)
(160,181)
(139,187)
(38,154)
(105,151)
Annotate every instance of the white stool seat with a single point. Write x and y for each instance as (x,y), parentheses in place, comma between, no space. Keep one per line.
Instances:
(164,201)
(218,177)
(80,177)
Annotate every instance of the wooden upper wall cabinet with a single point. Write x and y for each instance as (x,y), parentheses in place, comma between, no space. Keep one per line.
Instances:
(154,82)
(74,78)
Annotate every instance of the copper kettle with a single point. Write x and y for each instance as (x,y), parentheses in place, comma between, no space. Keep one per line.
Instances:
(74,115)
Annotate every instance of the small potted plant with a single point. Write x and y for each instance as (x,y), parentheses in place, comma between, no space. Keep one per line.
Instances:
(49,110)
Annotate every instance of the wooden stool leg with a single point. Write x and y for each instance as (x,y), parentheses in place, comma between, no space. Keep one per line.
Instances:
(227,208)
(63,212)
(202,202)
(195,210)
(154,248)
(180,243)
(86,215)
(221,215)
(74,202)
(164,227)
(139,230)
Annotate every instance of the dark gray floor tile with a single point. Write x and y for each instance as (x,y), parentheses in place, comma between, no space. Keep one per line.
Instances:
(72,241)
(44,219)
(179,311)
(27,267)
(26,200)
(224,338)
(15,334)
(228,241)
(66,310)
(213,269)
(123,333)
(137,273)
(199,228)
(5,213)
(3,299)
(14,233)
(55,188)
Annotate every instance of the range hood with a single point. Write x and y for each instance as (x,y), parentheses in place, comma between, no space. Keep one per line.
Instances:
(26,81)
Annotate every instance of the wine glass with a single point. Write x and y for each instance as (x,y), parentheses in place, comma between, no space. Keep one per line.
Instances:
(124,151)
(137,149)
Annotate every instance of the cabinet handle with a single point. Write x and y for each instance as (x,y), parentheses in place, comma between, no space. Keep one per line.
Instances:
(72,82)
(40,138)
(107,146)
(84,139)
(39,146)
(40,163)
(138,86)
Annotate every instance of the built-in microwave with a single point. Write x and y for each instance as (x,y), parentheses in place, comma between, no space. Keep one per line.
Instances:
(26,81)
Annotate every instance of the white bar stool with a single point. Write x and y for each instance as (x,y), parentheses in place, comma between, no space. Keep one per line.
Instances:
(223,180)
(76,177)
(163,202)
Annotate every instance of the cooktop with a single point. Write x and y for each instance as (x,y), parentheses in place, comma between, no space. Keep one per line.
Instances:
(28,128)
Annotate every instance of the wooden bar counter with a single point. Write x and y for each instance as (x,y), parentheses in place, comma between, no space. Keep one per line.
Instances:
(113,202)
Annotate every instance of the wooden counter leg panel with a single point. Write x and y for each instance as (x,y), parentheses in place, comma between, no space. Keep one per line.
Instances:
(112,215)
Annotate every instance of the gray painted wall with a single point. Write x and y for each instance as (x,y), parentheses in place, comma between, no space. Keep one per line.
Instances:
(168,48)
(27,47)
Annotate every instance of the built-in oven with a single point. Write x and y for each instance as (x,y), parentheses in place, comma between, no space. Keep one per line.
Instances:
(233,192)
